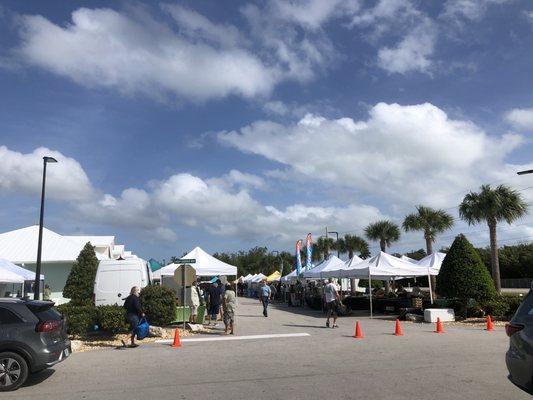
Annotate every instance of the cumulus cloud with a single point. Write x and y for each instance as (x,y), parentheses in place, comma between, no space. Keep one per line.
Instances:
(23,172)
(412,53)
(470,10)
(406,154)
(520,118)
(104,48)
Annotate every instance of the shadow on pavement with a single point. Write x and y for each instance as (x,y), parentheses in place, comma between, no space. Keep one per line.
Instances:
(307,326)
(35,379)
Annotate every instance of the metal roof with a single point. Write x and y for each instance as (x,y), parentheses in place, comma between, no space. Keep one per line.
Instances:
(20,246)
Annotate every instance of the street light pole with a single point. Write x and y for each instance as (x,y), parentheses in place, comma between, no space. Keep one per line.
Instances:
(529,171)
(337,241)
(36,284)
(281,259)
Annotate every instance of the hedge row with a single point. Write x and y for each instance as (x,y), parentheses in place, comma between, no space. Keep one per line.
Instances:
(81,319)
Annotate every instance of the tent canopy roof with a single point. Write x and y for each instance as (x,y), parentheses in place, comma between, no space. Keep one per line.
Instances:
(384,266)
(206,265)
(433,261)
(27,275)
(325,268)
(275,276)
(7,276)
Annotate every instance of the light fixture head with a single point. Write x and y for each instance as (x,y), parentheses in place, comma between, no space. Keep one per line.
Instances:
(49,159)
(529,171)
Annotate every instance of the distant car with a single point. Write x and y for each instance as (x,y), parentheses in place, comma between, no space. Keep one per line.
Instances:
(115,278)
(519,357)
(33,336)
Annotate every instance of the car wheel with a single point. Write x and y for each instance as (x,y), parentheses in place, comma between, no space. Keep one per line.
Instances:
(13,371)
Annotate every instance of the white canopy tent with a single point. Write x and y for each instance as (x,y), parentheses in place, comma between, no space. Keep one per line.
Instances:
(412,260)
(247,277)
(289,277)
(327,268)
(384,266)
(258,278)
(433,262)
(205,265)
(25,273)
(7,276)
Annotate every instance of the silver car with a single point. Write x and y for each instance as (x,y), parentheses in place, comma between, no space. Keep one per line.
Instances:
(519,357)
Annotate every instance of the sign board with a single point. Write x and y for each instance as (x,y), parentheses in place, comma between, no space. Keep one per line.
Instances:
(190,275)
(186,261)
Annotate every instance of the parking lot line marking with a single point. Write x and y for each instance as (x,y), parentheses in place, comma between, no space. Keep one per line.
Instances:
(248,337)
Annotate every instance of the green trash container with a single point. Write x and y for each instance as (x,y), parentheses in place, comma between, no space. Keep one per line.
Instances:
(200,316)
(182,314)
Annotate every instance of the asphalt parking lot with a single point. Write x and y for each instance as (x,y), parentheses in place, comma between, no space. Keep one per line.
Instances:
(463,363)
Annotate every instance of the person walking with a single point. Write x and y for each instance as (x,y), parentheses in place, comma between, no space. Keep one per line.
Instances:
(265,294)
(134,313)
(229,305)
(214,303)
(332,302)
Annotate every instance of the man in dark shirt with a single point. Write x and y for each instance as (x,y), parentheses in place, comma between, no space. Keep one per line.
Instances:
(134,312)
(215,300)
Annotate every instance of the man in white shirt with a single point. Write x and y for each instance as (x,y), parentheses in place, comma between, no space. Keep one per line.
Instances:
(332,300)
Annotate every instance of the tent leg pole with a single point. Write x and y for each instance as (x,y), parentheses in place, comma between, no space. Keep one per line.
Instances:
(430,290)
(370,292)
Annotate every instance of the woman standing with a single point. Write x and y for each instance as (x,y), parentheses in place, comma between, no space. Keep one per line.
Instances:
(134,313)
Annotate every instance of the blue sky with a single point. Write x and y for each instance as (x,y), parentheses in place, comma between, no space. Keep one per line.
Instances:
(230,125)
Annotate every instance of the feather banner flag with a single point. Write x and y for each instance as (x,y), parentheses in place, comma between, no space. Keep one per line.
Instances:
(309,246)
(298,257)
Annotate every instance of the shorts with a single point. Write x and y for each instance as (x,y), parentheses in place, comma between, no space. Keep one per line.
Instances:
(332,308)
(133,320)
(229,317)
(214,309)
(194,310)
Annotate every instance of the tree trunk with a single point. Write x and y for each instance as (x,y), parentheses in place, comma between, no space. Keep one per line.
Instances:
(494,260)
(429,250)
(383,246)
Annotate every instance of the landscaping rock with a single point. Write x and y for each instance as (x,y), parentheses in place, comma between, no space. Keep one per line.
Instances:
(157,331)
(414,317)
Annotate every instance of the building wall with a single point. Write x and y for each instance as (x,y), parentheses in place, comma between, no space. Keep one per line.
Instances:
(55,276)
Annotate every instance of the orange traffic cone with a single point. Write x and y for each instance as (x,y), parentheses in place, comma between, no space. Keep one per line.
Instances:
(177,341)
(398,330)
(490,325)
(358,332)
(440,329)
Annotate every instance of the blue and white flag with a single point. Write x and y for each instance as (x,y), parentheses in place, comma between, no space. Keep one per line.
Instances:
(309,258)
(298,257)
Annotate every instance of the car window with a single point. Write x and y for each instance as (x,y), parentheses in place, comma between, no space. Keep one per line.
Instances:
(525,311)
(45,313)
(8,317)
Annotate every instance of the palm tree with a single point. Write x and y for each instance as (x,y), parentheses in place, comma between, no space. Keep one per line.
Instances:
(352,243)
(493,206)
(323,245)
(383,231)
(430,221)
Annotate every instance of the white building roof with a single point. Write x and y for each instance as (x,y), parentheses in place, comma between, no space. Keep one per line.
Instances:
(20,246)
(98,241)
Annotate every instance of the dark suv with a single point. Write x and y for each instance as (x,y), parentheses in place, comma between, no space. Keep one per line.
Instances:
(519,357)
(33,336)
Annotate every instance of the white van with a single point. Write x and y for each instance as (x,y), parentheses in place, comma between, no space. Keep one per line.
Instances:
(115,278)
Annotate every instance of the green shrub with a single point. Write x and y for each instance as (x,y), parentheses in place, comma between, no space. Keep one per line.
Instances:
(80,319)
(514,302)
(112,319)
(496,307)
(80,282)
(375,283)
(159,304)
(463,275)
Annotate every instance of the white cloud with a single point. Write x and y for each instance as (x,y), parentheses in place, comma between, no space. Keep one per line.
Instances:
(276,107)
(520,118)
(412,53)
(104,48)
(23,172)
(472,10)
(401,154)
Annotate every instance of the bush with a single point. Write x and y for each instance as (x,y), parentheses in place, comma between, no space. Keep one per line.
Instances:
(375,283)
(514,302)
(496,307)
(80,282)
(159,304)
(463,275)
(80,319)
(112,319)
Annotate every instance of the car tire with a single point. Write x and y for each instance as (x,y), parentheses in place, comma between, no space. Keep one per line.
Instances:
(13,371)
